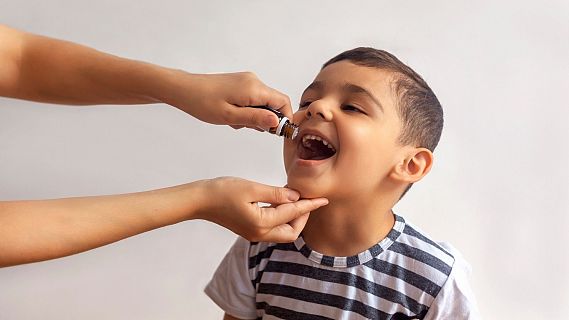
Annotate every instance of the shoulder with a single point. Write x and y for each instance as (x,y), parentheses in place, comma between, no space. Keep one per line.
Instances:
(417,259)
(456,299)
(231,287)
(418,245)
(442,264)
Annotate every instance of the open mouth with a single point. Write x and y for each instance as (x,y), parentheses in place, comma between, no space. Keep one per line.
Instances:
(313,147)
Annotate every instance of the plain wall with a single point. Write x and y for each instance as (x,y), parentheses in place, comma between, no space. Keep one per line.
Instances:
(498,191)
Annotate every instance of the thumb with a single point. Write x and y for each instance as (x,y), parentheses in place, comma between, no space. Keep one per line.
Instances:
(288,212)
(272,195)
(252,117)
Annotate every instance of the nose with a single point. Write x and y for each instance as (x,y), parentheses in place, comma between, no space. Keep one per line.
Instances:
(319,109)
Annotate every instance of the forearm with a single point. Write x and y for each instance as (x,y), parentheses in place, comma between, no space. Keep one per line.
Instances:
(33,231)
(49,70)
(38,230)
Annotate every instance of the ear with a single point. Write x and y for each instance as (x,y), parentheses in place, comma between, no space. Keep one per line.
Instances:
(414,166)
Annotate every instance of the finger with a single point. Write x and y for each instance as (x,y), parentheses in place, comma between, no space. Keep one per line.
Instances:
(267,96)
(288,212)
(252,117)
(287,232)
(241,127)
(279,101)
(273,195)
(299,223)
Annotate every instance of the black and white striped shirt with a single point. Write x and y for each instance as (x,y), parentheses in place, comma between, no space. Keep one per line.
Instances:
(404,276)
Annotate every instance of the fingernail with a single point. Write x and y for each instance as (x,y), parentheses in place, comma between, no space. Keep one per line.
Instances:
(293,195)
(321,201)
(269,121)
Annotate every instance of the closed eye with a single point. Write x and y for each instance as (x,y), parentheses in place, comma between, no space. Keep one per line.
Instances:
(351,108)
(304,104)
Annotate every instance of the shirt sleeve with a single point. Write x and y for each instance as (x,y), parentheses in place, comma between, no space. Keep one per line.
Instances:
(456,300)
(231,288)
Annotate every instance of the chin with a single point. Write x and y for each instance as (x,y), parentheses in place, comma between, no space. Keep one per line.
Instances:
(307,188)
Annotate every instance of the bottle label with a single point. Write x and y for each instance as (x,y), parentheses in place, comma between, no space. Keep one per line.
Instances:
(279,130)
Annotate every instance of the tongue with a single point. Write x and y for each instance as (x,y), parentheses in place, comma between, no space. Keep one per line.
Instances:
(315,150)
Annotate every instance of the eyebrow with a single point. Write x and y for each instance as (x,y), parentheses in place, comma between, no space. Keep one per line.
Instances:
(352,88)
(347,87)
(316,85)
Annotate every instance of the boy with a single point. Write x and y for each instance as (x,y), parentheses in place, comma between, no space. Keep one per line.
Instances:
(368,127)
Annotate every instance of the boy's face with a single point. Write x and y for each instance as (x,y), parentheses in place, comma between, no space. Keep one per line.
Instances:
(348,139)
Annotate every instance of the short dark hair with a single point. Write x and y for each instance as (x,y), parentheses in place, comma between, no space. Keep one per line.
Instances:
(419,109)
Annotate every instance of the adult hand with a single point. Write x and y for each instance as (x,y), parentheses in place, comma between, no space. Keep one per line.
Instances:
(50,70)
(220,98)
(233,203)
(72,225)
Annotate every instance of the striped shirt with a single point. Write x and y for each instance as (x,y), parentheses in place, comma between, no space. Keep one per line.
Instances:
(401,277)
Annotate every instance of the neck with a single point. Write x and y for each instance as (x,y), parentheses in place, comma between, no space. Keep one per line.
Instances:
(348,227)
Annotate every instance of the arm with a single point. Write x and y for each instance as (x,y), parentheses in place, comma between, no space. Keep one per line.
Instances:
(33,231)
(42,69)
(48,70)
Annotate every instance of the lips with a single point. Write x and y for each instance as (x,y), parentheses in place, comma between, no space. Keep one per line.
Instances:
(314,146)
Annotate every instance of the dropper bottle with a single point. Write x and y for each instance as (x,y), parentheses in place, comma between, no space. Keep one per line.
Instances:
(285,128)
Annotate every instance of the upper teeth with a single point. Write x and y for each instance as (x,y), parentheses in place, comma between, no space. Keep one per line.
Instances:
(307,137)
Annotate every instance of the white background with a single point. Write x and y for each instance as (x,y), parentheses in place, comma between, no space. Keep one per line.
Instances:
(498,190)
